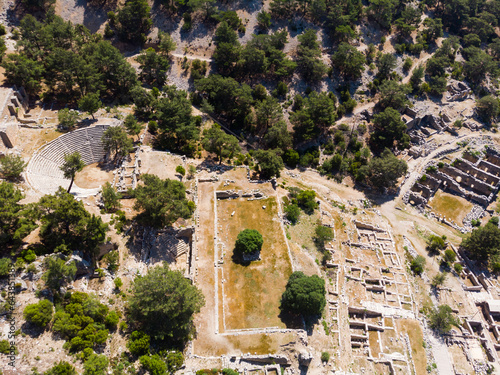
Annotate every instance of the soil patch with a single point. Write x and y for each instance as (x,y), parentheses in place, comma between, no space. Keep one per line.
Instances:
(92,176)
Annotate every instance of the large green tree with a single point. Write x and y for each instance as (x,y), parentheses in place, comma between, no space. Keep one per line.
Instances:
(349,61)
(175,120)
(316,115)
(390,131)
(385,170)
(304,294)
(219,142)
(442,319)
(73,164)
(116,142)
(163,302)
(162,202)
(90,103)
(154,67)
(393,95)
(483,244)
(11,167)
(309,60)
(270,163)
(249,241)
(134,21)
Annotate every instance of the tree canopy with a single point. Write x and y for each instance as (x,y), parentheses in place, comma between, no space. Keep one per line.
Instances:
(249,241)
(390,131)
(67,61)
(483,244)
(16,220)
(11,167)
(442,319)
(162,202)
(219,142)
(270,163)
(65,222)
(163,302)
(73,163)
(386,169)
(304,294)
(116,142)
(39,313)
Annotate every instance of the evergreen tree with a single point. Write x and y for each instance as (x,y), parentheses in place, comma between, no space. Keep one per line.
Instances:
(73,163)
(163,303)
(304,295)
(219,142)
(162,202)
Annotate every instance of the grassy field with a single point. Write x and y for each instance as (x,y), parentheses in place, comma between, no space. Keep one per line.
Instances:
(451,206)
(252,292)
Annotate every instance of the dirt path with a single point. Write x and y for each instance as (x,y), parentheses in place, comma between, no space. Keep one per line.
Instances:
(191,57)
(205,321)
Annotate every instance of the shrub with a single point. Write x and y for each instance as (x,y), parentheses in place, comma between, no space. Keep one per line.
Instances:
(323,234)
(61,368)
(153,364)
(418,265)
(4,347)
(181,170)
(5,267)
(292,212)
(441,319)
(438,280)
(111,198)
(39,313)
(436,243)
(153,127)
(96,365)
(118,283)
(138,343)
(81,321)
(111,320)
(450,256)
(306,199)
(325,357)
(458,268)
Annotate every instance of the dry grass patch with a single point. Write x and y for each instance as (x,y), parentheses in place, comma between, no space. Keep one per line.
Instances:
(252,292)
(451,206)
(414,331)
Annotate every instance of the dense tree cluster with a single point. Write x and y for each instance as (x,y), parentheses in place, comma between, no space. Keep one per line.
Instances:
(67,61)
(83,321)
(16,220)
(67,226)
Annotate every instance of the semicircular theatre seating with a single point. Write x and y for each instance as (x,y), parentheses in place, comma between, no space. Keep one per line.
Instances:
(43,169)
